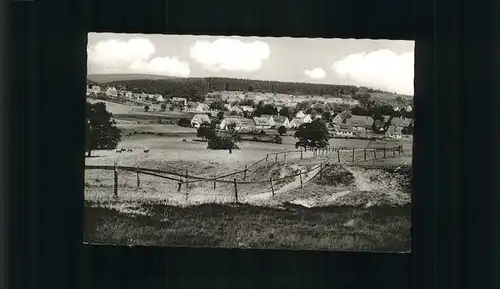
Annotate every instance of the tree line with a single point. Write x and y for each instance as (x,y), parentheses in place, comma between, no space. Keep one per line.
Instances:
(195,89)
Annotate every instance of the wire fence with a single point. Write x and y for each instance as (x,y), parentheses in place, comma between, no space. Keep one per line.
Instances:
(135,183)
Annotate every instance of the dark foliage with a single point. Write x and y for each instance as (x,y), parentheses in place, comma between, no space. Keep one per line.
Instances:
(206,131)
(282,130)
(312,135)
(101,130)
(184,122)
(194,89)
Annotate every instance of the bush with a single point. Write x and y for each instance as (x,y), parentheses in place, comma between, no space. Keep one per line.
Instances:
(222,142)
(184,122)
(282,130)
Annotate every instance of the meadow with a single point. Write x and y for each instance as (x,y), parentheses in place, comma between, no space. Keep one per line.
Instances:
(352,206)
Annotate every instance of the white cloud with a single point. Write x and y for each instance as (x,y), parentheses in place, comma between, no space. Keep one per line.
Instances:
(230,54)
(163,66)
(381,69)
(316,73)
(132,56)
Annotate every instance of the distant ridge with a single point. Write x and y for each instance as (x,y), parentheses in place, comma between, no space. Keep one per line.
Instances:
(185,86)
(103,78)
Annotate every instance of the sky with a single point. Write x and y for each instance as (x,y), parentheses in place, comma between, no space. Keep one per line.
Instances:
(381,64)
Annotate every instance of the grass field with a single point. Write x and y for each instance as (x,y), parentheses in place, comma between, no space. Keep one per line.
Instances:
(245,226)
(360,206)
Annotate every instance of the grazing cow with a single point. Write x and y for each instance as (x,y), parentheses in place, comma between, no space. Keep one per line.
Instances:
(146,151)
(130,150)
(119,151)
(184,140)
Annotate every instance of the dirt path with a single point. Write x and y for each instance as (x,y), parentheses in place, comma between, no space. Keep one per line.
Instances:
(259,198)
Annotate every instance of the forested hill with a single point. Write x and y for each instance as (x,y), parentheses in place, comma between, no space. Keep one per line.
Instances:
(104,78)
(190,87)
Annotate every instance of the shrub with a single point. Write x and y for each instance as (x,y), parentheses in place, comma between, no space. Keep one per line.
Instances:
(282,130)
(222,142)
(184,122)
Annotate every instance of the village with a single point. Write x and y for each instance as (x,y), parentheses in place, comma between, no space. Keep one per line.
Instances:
(240,111)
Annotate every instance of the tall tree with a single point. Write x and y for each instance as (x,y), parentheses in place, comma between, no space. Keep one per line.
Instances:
(363,98)
(101,130)
(205,131)
(285,111)
(312,135)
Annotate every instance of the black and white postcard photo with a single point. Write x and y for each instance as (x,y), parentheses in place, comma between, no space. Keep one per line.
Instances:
(249,142)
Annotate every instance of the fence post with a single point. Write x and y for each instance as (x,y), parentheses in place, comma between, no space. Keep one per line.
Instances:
(401,149)
(364,157)
(301,155)
(245,173)
(353,159)
(338,156)
(267,157)
(235,190)
(215,181)
(179,185)
(393,151)
(116,181)
(284,155)
(276,157)
(138,179)
(187,184)
(320,172)
(272,186)
(301,183)
(384,152)
(374,153)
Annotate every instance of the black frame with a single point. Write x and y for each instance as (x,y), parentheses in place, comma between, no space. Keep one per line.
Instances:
(44,133)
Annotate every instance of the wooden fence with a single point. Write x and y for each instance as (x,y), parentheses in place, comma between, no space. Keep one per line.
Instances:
(184,179)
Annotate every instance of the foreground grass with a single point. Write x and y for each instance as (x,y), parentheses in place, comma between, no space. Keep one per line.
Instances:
(246,226)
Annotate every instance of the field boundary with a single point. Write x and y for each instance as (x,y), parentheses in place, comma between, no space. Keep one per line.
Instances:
(186,179)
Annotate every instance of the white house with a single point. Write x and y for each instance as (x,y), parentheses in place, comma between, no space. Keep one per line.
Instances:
(307,118)
(401,121)
(296,122)
(179,100)
(345,130)
(338,119)
(201,107)
(224,124)
(247,124)
(128,94)
(360,124)
(247,108)
(394,132)
(198,119)
(111,91)
(236,110)
(96,88)
(261,123)
(281,121)
(269,119)
(158,97)
(300,114)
